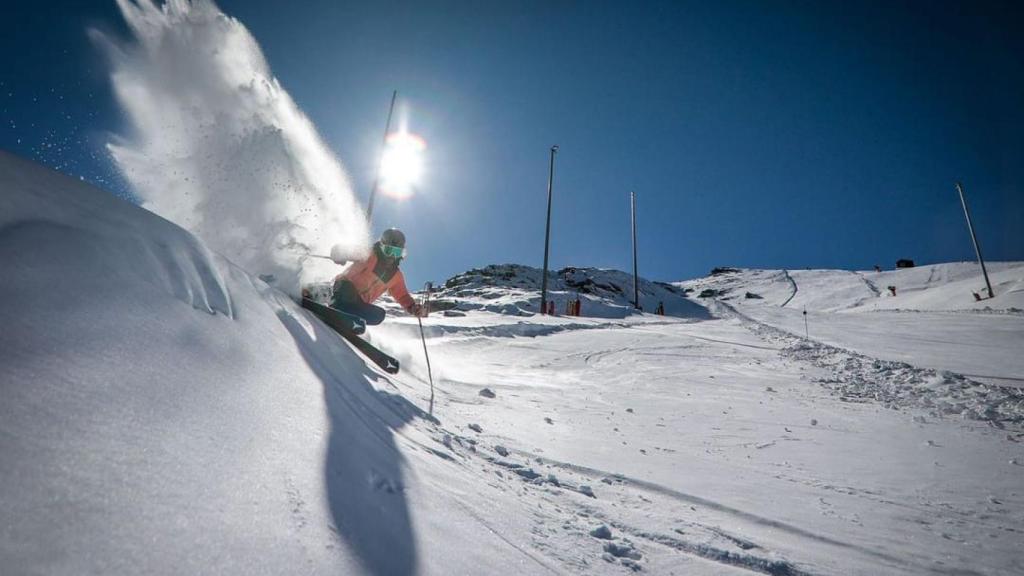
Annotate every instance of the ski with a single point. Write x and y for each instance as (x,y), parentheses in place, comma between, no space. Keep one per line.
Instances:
(343,324)
(384,361)
(340,321)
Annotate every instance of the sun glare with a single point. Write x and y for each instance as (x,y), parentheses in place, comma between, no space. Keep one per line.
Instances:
(402,164)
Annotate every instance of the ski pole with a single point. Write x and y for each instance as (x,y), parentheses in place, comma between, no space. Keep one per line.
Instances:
(430,376)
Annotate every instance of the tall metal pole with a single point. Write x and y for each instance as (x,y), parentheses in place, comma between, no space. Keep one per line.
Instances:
(636,281)
(376,177)
(977,248)
(547,235)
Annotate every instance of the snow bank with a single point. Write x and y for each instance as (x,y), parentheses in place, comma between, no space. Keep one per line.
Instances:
(62,240)
(216,145)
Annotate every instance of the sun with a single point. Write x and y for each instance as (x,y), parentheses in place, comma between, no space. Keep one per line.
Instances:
(401,166)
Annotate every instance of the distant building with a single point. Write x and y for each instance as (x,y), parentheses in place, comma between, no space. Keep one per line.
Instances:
(904,263)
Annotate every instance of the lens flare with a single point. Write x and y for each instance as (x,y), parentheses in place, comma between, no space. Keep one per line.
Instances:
(401,166)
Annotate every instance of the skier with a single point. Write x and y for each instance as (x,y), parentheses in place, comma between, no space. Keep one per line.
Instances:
(356,289)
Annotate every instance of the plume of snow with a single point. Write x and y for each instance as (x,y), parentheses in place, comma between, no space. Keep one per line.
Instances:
(217,146)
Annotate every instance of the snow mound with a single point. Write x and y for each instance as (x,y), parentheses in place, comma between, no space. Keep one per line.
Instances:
(514,289)
(161,412)
(62,240)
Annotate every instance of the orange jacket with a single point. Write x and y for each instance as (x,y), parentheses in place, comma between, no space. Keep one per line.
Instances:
(370,284)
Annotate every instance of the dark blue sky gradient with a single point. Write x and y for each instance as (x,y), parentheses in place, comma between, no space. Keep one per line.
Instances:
(760,134)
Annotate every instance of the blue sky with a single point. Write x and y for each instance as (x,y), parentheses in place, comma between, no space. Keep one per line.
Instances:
(760,134)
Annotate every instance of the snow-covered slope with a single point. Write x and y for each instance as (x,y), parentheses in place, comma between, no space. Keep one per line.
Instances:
(163,412)
(932,321)
(932,288)
(515,289)
(722,442)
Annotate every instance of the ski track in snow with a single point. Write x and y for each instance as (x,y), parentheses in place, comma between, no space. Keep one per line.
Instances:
(792,283)
(725,549)
(724,556)
(701,540)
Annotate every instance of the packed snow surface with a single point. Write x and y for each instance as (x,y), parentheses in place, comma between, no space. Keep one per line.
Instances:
(164,412)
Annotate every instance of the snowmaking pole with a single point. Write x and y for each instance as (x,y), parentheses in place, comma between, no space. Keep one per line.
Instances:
(376,177)
(430,375)
(977,249)
(636,281)
(547,235)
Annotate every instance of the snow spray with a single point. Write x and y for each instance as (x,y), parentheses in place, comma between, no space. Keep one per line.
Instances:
(216,145)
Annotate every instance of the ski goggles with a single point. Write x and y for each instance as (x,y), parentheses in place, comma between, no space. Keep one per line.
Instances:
(392,251)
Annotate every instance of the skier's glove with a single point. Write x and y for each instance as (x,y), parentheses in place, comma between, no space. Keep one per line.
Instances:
(418,310)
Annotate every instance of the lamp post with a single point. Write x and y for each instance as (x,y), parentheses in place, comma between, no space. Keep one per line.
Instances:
(547,235)
(977,249)
(636,281)
(376,177)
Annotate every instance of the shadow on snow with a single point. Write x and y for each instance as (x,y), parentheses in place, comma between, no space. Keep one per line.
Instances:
(364,475)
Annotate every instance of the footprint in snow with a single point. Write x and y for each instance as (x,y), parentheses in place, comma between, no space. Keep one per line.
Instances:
(383,483)
(624,550)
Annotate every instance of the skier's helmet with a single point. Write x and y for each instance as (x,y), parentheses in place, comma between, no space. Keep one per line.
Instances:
(393,237)
(392,243)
